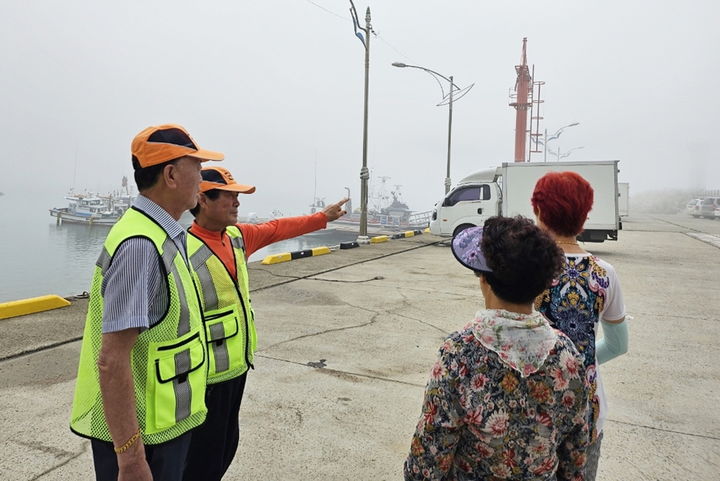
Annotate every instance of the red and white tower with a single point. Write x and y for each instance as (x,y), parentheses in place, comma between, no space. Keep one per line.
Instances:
(522,104)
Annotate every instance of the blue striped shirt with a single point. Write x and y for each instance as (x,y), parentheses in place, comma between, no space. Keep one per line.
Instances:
(133,286)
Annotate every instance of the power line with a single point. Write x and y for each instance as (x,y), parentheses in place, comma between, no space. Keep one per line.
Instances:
(392,47)
(344,18)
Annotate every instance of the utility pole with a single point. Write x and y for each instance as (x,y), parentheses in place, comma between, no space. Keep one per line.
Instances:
(448,182)
(364,172)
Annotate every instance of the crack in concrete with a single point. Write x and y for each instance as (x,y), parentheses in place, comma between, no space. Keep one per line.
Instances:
(677,225)
(336,329)
(314,274)
(57,466)
(408,303)
(395,313)
(57,452)
(640,471)
(345,373)
(39,349)
(664,430)
(313,278)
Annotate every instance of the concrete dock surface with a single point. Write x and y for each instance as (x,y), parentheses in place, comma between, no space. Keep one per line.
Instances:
(346,342)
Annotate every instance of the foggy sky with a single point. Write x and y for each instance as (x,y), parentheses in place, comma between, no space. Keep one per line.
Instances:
(277,85)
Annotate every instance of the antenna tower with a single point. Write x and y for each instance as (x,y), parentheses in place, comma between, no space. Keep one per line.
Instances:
(535,117)
(523,103)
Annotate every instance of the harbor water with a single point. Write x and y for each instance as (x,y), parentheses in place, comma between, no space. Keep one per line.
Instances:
(38,257)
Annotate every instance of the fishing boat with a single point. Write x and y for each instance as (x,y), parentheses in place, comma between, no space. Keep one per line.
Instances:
(386,214)
(92,209)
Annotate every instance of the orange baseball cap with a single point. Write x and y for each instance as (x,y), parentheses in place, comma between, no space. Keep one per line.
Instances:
(163,143)
(221,179)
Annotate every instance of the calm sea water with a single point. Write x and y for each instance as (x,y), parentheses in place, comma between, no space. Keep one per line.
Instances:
(38,257)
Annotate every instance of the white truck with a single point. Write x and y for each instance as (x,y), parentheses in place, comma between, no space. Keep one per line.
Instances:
(623,199)
(507,190)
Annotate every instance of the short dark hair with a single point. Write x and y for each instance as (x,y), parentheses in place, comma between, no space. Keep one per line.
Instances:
(146,177)
(524,259)
(211,194)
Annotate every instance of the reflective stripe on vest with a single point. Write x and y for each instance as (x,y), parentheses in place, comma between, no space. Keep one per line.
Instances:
(226,306)
(220,350)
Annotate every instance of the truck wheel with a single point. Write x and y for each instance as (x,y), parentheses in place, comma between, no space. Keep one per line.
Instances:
(461,228)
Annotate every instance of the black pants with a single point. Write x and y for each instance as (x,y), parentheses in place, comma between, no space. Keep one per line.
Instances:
(214,443)
(166,460)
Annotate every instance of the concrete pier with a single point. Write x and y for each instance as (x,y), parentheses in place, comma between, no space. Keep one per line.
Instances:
(346,342)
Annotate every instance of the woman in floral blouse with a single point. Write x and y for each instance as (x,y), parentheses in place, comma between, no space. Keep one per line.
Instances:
(585,294)
(507,396)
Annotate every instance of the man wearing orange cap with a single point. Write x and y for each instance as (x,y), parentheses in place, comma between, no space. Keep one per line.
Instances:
(218,247)
(143,367)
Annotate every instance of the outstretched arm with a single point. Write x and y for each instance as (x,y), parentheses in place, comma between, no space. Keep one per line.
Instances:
(335,211)
(257,236)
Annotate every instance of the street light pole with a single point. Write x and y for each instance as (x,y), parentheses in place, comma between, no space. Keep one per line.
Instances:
(554,136)
(448,182)
(449,99)
(349,202)
(364,172)
(561,155)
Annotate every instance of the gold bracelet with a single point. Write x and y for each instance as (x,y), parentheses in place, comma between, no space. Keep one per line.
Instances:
(129,443)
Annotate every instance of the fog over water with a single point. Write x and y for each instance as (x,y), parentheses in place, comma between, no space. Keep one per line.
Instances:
(41,257)
(278,87)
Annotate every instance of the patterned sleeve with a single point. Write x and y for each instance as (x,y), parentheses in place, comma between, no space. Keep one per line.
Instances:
(433,445)
(614,307)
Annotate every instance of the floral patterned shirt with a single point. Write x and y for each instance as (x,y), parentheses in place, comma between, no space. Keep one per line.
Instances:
(506,399)
(586,291)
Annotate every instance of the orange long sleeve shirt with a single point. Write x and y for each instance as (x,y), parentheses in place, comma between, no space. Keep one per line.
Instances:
(257,236)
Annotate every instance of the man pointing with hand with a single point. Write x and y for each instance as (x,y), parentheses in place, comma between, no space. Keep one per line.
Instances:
(218,248)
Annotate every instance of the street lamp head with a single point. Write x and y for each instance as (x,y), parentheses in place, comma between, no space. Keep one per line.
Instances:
(399,64)
(574,124)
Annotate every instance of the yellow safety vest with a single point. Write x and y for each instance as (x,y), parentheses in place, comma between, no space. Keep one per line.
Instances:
(169,361)
(229,318)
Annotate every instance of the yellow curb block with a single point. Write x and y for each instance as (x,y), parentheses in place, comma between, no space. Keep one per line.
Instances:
(379,238)
(289,256)
(319,251)
(277,258)
(426,230)
(32,305)
(409,233)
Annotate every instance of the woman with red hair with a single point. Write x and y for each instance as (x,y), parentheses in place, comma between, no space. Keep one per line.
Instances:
(587,292)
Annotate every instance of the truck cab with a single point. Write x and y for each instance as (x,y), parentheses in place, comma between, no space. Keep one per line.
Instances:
(469,204)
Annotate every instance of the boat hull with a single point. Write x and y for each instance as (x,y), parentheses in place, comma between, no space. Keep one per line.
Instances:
(65,216)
